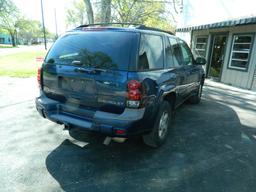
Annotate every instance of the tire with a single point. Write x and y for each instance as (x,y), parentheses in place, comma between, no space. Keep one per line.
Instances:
(158,135)
(195,99)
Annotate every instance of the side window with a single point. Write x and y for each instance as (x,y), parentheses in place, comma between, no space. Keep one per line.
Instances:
(177,53)
(186,53)
(151,52)
(169,55)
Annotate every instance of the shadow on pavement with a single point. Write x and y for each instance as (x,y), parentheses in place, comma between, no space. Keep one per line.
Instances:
(207,150)
(234,98)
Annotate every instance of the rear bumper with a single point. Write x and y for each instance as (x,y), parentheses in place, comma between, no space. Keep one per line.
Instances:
(104,122)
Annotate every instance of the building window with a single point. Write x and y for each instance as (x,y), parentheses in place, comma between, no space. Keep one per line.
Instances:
(240,53)
(1,40)
(200,46)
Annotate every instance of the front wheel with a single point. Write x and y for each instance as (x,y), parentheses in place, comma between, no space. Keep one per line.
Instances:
(161,126)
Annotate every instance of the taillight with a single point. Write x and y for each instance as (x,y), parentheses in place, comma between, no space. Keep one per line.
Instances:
(134,93)
(133,85)
(120,131)
(39,76)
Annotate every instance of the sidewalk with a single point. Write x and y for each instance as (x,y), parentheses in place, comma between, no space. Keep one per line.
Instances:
(223,86)
(242,101)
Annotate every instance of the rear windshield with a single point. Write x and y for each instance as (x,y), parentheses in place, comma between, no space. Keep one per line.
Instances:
(107,50)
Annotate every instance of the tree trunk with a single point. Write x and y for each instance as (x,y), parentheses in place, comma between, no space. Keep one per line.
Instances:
(89,11)
(105,11)
(13,38)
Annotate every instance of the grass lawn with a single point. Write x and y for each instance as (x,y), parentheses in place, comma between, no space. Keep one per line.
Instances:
(22,64)
(6,46)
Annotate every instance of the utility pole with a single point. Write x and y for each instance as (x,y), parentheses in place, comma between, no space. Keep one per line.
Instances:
(56,28)
(42,10)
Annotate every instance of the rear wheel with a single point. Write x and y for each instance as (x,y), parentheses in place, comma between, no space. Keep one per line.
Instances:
(161,127)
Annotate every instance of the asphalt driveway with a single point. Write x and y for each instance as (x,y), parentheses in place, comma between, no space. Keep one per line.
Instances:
(212,147)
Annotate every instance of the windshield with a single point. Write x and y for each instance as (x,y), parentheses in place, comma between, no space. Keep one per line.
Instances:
(107,50)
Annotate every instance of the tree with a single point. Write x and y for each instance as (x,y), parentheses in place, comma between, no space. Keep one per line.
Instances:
(9,16)
(28,30)
(148,12)
(3,5)
(76,15)
(105,11)
(81,13)
(89,11)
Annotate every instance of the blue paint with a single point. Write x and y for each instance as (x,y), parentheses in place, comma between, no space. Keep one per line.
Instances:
(85,76)
(5,39)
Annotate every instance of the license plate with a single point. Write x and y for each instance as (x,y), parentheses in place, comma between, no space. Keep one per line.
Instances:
(78,85)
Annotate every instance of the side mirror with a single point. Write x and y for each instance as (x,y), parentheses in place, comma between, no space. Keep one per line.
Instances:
(200,61)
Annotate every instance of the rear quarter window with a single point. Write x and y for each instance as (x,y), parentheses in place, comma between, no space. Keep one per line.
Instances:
(150,52)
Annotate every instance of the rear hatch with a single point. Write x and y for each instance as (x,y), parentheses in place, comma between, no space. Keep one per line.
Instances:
(88,69)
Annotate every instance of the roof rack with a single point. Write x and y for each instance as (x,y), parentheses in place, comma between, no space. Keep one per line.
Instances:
(136,25)
(107,24)
(143,27)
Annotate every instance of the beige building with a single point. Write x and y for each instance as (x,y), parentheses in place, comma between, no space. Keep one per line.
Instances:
(229,48)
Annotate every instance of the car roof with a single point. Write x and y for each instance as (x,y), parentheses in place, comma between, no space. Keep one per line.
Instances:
(131,28)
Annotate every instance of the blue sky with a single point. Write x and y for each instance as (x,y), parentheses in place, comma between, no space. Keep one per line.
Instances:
(197,12)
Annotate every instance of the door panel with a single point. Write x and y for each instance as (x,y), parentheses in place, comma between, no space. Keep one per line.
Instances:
(180,71)
(192,71)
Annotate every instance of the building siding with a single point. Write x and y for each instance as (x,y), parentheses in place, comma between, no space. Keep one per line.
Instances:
(5,39)
(234,77)
(254,81)
(243,79)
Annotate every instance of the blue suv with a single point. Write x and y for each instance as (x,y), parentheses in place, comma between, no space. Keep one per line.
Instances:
(121,82)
